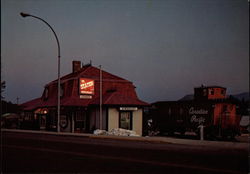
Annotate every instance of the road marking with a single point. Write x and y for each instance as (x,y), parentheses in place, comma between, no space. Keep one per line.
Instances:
(124,159)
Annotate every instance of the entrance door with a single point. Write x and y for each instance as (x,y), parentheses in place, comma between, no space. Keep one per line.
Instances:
(80,121)
(125,120)
(42,122)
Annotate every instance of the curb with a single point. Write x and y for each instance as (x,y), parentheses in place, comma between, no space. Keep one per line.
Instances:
(167,140)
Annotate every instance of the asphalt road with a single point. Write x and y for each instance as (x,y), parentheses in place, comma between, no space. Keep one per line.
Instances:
(28,153)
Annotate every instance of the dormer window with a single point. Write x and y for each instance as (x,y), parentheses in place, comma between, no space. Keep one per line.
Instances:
(62,91)
(46,93)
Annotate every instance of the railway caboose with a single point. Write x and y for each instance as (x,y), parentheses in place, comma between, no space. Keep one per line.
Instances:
(210,108)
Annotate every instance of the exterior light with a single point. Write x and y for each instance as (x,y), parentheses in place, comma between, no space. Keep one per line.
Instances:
(59,57)
(24,14)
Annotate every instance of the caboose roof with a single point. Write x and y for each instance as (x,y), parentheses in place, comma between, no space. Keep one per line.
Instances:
(212,86)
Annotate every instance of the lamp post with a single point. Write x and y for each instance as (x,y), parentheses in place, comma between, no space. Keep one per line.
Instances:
(59,56)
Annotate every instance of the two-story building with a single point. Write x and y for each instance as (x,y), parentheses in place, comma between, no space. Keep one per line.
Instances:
(81,103)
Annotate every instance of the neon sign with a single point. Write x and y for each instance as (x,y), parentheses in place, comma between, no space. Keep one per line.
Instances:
(87,86)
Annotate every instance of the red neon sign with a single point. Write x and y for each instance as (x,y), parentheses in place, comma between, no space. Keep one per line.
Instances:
(87,86)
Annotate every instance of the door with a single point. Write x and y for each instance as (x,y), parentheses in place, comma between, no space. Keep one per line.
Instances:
(125,120)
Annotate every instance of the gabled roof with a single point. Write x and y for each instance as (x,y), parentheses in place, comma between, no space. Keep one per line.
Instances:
(116,91)
(92,72)
(32,104)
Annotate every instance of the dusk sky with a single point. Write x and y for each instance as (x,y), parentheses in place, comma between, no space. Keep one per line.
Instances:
(165,47)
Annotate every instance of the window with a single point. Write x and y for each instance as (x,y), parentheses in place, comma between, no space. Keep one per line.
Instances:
(222,92)
(62,91)
(224,109)
(181,111)
(169,111)
(211,92)
(125,121)
(204,92)
(46,93)
(79,116)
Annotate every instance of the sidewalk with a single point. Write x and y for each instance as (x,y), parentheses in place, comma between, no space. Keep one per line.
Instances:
(169,140)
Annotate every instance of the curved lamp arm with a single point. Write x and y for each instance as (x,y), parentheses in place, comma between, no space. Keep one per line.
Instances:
(59,83)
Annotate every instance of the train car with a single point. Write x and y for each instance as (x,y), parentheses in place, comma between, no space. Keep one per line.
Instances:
(216,114)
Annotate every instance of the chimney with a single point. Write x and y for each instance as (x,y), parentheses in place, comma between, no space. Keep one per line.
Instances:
(76,66)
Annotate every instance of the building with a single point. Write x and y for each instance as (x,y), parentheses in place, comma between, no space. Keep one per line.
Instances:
(80,103)
(209,108)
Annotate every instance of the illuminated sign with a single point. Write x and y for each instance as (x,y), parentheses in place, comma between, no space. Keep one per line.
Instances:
(85,97)
(86,86)
(128,108)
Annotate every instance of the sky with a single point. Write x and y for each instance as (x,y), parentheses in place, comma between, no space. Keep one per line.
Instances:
(165,47)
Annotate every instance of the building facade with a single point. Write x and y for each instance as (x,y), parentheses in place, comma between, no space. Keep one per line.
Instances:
(81,103)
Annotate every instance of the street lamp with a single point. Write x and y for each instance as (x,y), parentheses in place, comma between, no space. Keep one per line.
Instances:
(58,97)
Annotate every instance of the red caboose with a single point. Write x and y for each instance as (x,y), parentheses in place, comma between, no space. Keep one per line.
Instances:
(210,108)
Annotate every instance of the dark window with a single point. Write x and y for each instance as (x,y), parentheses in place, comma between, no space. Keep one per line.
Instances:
(224,108)
(204,92)
(46,93)
(212,92)
(80,117)
(222,92)
(181,111)
(62,90)
(125,121)
(169,111)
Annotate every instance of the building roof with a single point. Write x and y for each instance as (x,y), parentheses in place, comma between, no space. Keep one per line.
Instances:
(92,72)
(115,91)
(117,98)
(32,104)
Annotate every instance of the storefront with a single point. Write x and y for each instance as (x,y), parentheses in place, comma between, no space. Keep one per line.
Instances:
(81,102)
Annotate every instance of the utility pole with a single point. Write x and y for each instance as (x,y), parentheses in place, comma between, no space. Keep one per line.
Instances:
(100,97)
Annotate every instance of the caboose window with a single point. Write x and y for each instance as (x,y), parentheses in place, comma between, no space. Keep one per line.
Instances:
(204,92)
(222,92)
(212,92)
(181,111)
(62,90)
(224,108)
(169,111)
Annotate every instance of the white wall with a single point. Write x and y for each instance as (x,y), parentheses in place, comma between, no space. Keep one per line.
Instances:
(137,121)
(113,118)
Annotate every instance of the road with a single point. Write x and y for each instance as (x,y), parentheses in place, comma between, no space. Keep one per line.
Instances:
(28,153)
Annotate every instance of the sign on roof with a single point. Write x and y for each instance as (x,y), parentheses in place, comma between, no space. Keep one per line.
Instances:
(86,86)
